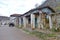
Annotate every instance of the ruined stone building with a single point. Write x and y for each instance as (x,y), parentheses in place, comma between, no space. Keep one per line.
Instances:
(46,15)
(14,18)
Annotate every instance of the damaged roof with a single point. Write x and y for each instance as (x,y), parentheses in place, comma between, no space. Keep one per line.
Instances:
(15,15)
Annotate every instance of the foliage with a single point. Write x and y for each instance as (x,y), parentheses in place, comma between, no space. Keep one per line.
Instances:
(56,29)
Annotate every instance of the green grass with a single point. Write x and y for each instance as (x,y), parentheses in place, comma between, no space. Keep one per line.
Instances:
(55,30)
(41,35)
(19,27)
(26,30)
(51,35)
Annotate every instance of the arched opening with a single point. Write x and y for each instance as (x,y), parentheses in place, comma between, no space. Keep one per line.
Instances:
(46,17)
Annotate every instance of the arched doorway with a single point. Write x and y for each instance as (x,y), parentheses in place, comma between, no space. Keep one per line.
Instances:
(46,17)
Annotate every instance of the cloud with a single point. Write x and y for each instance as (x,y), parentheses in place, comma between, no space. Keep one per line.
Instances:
(8,7)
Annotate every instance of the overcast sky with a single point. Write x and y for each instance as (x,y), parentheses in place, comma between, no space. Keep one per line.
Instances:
(8,7)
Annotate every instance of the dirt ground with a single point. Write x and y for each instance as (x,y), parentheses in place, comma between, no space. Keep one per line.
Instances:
(12,33)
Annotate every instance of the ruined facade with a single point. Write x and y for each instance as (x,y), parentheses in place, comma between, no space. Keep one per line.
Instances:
(46,15)
(14,18)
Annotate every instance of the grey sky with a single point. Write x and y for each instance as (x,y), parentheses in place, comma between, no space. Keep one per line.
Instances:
(8,7)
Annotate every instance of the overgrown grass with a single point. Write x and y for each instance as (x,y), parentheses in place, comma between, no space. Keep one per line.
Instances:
(55,29)
(19,27)
(41,35)
(26,30)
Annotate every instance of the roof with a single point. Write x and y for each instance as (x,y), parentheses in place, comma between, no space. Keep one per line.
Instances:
(39,8)
(15,15)
(53,4)
(46,4)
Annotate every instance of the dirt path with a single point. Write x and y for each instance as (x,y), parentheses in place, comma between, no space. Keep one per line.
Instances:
(12,33)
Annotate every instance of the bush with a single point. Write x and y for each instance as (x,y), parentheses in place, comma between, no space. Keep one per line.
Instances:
(56,29)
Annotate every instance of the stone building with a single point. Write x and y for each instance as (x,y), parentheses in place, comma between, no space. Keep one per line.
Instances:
(46,15)
(55,16)
(14,18)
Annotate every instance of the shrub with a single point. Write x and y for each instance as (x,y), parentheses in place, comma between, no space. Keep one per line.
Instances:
(56,29)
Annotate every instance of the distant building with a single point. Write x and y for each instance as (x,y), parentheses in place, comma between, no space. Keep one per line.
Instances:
(14,18)
(4,20)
